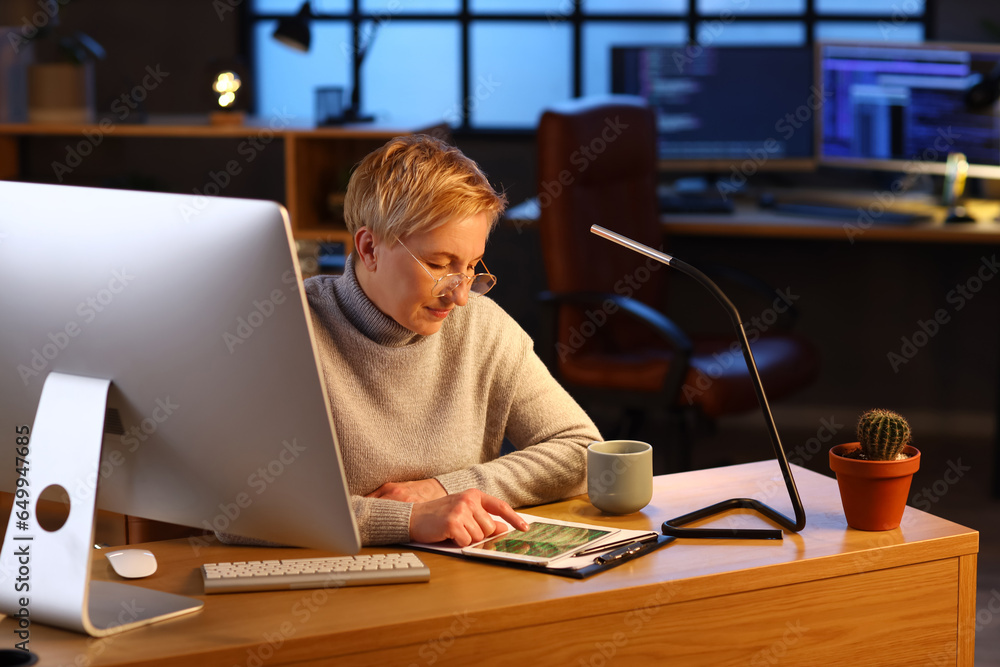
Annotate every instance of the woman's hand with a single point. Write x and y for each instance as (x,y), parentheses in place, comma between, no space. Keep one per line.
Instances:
(463,517)
(419,491)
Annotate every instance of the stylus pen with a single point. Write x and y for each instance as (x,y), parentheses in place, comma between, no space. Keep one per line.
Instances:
(603,548)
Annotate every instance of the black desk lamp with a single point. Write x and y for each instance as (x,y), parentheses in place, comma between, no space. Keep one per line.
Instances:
(674,526)
(295,33)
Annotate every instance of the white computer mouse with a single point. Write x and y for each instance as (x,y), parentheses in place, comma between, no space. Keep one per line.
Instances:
(132,563)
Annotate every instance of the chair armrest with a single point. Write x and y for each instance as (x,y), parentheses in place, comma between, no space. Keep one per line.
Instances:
(668,331)
(666,328)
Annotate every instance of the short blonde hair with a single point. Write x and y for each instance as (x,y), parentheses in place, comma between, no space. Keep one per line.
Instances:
(414,184)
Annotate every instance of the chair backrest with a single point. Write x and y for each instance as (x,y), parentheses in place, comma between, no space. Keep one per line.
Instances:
(597,165)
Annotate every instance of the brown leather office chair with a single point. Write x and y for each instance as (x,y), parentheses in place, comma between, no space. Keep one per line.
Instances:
(607,340)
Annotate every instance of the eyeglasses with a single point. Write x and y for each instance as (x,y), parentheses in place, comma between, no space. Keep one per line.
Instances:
(481,283)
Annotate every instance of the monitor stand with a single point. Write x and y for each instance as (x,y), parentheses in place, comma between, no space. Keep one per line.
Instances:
(46,572)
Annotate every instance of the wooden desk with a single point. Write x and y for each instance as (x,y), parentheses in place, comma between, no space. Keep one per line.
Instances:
(751,221)
(829,595)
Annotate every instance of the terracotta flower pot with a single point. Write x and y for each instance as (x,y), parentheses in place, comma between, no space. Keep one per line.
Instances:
(873,493)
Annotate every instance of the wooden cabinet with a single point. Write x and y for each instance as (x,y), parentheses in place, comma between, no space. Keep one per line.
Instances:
(317,161)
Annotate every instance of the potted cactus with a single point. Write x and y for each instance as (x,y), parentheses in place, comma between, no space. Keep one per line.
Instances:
(874,473)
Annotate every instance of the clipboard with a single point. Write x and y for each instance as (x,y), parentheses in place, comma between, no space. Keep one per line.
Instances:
(574,567)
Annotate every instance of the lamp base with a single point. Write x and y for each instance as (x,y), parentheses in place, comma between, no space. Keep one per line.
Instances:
(349,116)
(674,527)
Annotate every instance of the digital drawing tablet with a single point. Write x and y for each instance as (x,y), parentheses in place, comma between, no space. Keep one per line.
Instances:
(543,542)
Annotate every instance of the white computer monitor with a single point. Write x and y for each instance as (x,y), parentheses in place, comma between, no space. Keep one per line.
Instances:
(191,312)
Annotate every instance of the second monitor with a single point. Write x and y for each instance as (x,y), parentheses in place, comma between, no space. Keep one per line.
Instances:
(718,107)
(906,107)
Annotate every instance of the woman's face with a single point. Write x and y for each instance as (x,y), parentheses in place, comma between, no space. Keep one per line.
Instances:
(400,286)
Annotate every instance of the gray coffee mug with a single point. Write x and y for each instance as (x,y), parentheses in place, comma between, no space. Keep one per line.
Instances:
(620,475)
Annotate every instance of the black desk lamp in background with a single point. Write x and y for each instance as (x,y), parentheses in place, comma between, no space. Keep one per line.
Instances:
(674,526)
(295,33)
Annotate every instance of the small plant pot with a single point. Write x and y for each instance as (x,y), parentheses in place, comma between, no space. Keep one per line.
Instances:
(873,493)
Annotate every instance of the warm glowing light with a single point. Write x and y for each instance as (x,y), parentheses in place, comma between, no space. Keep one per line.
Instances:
(226,84)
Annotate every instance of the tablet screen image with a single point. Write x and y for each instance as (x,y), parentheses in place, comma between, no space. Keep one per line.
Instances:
(543,540)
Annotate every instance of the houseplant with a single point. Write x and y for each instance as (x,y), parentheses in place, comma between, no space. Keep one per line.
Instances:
(874,473)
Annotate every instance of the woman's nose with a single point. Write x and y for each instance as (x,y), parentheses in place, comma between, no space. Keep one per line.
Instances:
(460,295)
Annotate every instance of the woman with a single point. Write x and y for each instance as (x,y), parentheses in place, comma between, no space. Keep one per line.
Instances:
(426,377)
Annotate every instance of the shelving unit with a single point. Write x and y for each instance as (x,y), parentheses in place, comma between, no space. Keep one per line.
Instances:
(317,161)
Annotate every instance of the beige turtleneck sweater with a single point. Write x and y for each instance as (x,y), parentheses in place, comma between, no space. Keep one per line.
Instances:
(409,407)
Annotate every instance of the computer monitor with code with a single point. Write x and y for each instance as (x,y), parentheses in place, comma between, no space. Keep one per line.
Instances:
(720,107)
(906,107)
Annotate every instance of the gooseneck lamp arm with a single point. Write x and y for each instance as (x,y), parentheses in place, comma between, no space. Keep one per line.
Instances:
(675,527)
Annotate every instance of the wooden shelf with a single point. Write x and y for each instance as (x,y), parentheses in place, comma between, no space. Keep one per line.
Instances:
(317,160)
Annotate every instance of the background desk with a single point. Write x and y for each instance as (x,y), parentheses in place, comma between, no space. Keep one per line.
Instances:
(753,221)
(829,595)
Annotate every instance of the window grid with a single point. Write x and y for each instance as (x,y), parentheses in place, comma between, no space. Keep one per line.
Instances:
(692,18)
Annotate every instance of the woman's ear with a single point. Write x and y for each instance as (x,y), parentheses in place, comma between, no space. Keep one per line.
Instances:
(366,247)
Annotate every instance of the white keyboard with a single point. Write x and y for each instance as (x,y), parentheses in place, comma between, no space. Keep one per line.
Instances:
(294,573)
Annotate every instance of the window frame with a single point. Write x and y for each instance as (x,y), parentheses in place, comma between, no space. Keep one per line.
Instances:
(691,18)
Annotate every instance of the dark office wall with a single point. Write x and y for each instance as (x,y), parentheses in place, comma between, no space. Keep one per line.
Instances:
(967,20)
(181,39)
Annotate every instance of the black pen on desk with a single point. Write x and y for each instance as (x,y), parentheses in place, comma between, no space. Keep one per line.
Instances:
(614,545)
(624,552)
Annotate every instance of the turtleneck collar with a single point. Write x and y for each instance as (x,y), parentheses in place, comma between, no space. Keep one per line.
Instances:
(365,315)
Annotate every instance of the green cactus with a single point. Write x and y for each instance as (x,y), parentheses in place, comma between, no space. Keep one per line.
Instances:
(883,434)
